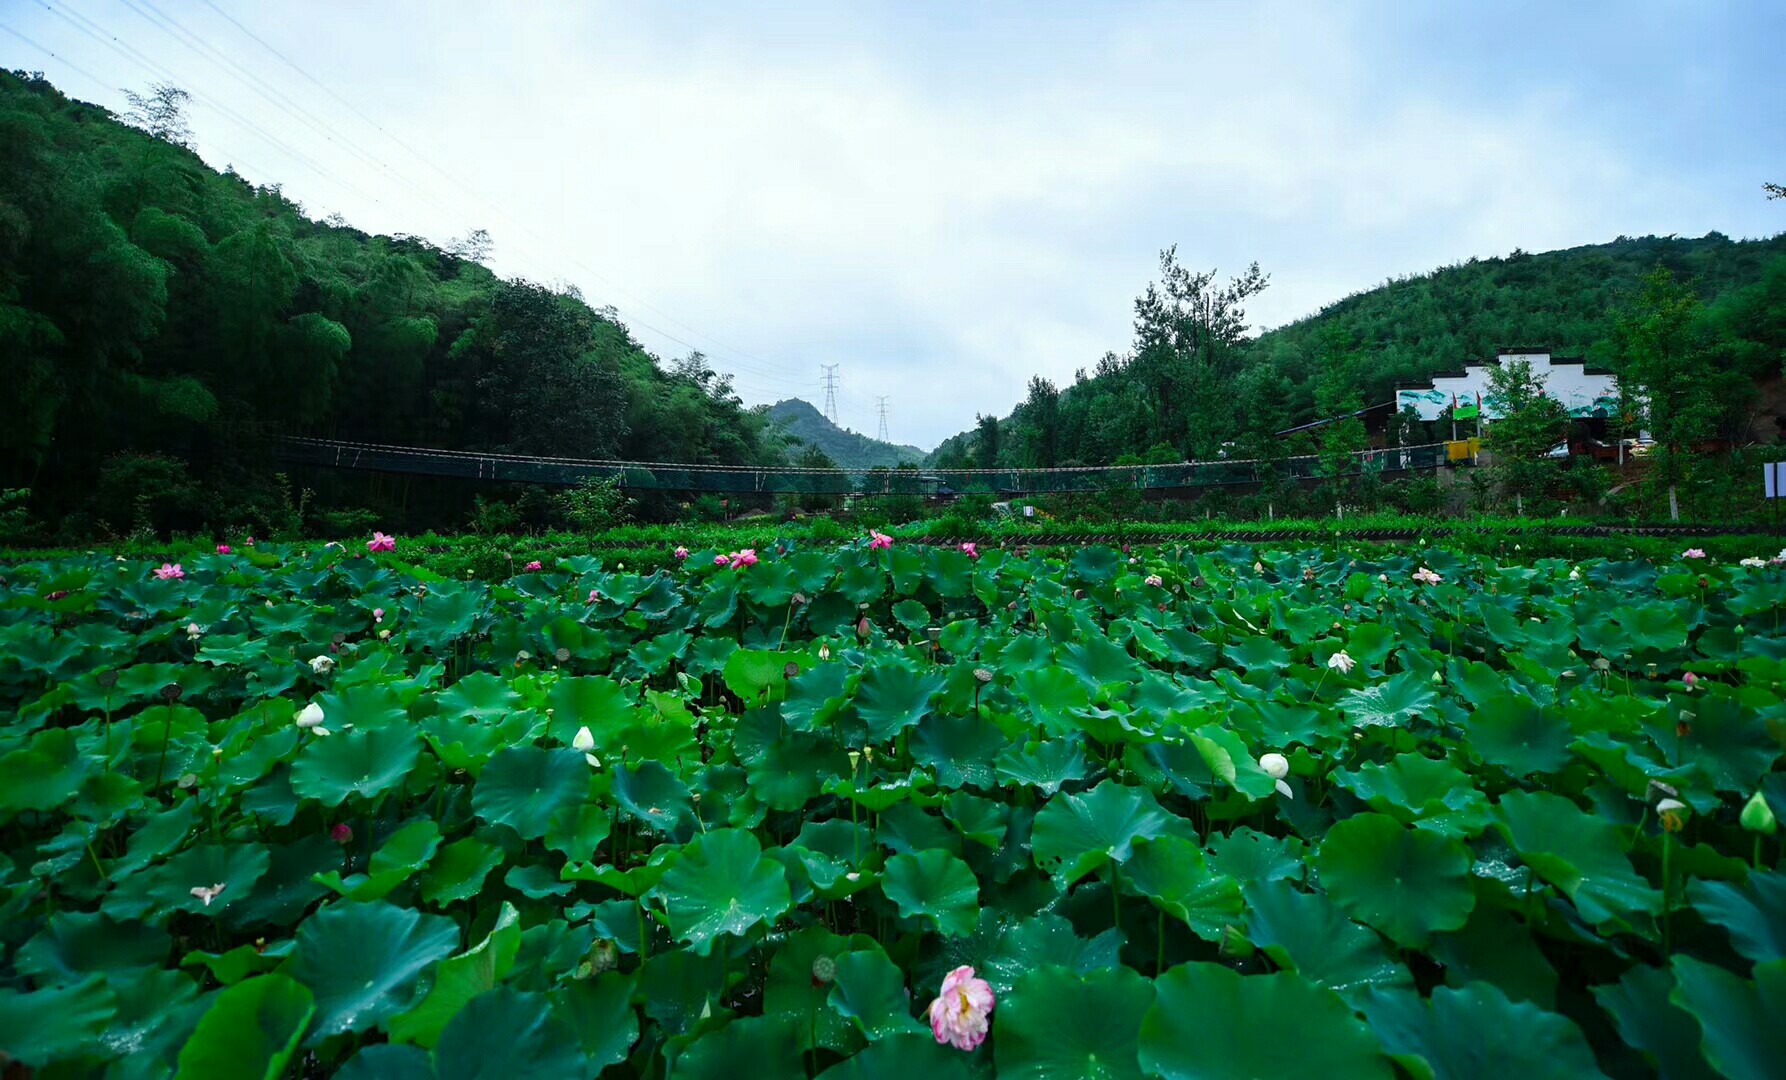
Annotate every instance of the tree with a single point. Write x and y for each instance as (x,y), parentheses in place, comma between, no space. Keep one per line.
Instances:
(988,446)
(1040,424)
(1337,401)
(161,113)
(1665,376)
(1188,334)
(1529,424)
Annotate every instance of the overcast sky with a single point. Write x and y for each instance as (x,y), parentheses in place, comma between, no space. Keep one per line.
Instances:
(944,199)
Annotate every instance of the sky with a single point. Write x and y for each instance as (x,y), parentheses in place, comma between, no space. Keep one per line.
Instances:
(945,199)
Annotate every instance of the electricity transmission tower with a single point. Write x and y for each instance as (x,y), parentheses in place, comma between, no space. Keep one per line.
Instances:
(881,403)
(830,392)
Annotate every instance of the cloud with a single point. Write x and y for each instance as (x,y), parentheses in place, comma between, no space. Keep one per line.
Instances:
(945,202)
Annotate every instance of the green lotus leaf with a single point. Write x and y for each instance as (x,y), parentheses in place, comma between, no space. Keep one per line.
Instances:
(958,749)
(1096,565)
(767,1043)
(1308,933)
(1496,947)
(796,993)
(42,775)
(1076,835)
(722,884)
(651,794)
(1046,765)
(1098,662)
(387,1061)
(1404,882)
(870,989)
(458,870)
(1390,703)
(251,1030)
(815,696)
(479,696)
(1647,1020)
(365,963)
(1058,1023)
(396,861)
(1173,873)
(900,1057)
(524,787)
(1256,653)
(934,885)
(600,1011)
(1729,740)
(753,673)
(507,1034)
(1476,1033)
(1755,913)
(1582,855)
(1239,1025)
(46,1026)
(450,612)
(893,697)
(1229,761)
(1744,1039)
(599,704)
(1517,734)
(74,944)
(785,767)
(366,763)
(1415,788)
(460,978)
(237,867)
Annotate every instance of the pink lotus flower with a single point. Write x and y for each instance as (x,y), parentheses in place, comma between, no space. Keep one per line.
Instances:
(341,834)
(747,557)
(249,541)
(170,572)
(722,560)
(1690,679)
(1693,553)
(534,565)
(378,614)
(594,595)
(223,549)
(381,542)
(1153,579)
(970,550)
(960,1016)
(1427,577)
(878,540)
(681,553)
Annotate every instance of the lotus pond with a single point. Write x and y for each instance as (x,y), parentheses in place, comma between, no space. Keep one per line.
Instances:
(1224,814)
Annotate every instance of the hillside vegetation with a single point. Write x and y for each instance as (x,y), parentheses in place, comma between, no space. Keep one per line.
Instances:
(1195,378)
(848,449)
(161,321)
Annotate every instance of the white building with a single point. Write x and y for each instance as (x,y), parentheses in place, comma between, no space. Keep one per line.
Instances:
(1587,392)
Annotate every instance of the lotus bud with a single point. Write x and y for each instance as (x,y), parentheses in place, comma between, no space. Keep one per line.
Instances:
(1758,816)
(824,652)
(310,716)
(855,759)
(1438,678)
(583,741)
(1276,766)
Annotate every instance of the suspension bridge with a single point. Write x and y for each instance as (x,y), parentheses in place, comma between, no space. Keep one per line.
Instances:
(767,480)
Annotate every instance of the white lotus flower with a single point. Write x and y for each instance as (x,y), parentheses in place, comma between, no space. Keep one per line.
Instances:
(1384,578)
(194,631)
(583,741)
(1342,662)
(1575,573)
(1426,576)
(310,716)
(322,663)
(1277,766)
(1669,806)
(207,894)
(1753,561)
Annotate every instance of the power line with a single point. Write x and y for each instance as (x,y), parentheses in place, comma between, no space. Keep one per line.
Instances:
(757,366)
(881,403)
(830,392)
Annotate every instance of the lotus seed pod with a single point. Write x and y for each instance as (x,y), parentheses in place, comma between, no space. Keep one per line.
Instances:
(824,970)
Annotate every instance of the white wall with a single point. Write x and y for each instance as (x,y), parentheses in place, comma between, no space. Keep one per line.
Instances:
(1570,384)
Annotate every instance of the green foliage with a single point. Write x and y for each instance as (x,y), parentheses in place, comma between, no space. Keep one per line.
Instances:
(152,309)
(594,505)
(690,823)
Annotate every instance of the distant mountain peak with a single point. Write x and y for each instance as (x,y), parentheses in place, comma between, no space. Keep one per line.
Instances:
(850,449)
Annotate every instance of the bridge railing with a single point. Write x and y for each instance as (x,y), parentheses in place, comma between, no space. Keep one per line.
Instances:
(751,479)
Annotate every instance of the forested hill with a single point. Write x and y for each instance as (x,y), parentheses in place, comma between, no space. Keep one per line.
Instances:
(159,320)
(1186,385)
(847,449)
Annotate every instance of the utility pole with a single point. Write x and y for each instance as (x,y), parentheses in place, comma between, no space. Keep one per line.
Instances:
(830,392)
(881,403)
